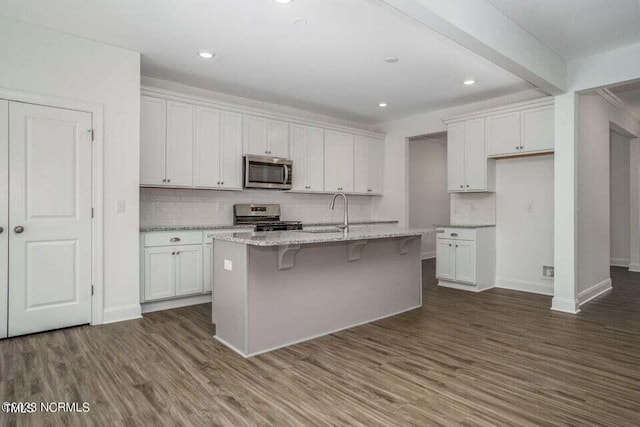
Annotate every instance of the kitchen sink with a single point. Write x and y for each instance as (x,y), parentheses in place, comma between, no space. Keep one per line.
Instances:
(322,230)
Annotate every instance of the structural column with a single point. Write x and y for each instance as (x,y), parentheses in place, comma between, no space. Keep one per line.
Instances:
(566,203)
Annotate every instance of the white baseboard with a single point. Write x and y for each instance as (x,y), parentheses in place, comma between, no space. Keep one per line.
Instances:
(525,286)
(570,306)
(619,262)
(428,255)
(635,267)
(120,314)
(594,291)
(149,307)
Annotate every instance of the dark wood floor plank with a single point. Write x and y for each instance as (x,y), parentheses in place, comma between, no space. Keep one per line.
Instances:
(497,358)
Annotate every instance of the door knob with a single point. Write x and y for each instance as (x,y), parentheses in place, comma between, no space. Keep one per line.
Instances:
(18,229)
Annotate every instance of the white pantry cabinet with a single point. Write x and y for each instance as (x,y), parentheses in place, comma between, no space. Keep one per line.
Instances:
(465,258)
(266,137)
(218,149)
(307,153)
(467,166)
(338,161)
(368,165)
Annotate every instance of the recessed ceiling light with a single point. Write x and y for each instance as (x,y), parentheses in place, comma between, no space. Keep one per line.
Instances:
(391,59)
(206,54)
(283,1)
(382,104)
(469,82)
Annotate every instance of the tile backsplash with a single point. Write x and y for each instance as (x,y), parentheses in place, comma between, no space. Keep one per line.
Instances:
(161,206)
(473,208)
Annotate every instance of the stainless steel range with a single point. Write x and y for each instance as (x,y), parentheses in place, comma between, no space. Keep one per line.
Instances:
(264,217)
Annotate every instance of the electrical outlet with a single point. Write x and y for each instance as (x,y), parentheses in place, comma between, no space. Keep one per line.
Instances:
(228,265)
(548,271)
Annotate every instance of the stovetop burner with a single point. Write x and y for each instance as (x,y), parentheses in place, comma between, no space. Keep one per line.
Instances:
(279,226)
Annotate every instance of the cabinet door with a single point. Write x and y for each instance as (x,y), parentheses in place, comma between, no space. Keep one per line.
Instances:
(207,270)
(455,157)
(255,135)
(445,259)
(159,275)
(180,137)
(207,147)
(503,134)
(153,112)
(188,269)
(4,215)
(475,169)
(537,129)
(315,159)
(361,164)
(338,161)
(231,150)
(376,165)
(299,156)
(278,138)
(465,261)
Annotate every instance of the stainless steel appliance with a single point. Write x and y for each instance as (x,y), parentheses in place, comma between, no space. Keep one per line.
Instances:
(263,217)
(267,172)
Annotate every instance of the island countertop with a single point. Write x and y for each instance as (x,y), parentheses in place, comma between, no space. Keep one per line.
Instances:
(303,237)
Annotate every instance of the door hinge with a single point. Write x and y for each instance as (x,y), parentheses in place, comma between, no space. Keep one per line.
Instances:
(91,290)
(92,133)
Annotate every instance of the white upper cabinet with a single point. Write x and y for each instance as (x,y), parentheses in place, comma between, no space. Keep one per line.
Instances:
(466,160)
(180,139)
(307,153)
(231,151)
(537,129)
(368,165)
(475,161)
(525,129)
(218,149)
(455,157)
(503,134)
(338,161)
(207,147)
(153,113)
(266,137)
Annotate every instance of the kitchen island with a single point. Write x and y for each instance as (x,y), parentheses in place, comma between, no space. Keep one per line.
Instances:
(274,289)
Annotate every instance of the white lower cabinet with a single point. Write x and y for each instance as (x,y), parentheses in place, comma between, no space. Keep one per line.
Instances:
(188,266)
(465,258)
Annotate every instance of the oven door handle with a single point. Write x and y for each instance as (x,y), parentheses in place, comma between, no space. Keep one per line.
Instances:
(286,174)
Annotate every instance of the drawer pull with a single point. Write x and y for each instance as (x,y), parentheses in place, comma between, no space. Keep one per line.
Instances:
(175,239)
(454,234)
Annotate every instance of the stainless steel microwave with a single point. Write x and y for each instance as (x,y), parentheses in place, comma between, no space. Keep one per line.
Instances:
(267,172)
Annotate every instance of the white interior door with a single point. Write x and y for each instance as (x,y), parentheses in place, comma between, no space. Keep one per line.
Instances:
(50,218)
(4,214)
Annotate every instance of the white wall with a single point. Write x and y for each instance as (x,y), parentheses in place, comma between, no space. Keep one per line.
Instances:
(37,60)
(473,208)
(428,196)
(619,199)
(160,206)
(596,116)
(524,223)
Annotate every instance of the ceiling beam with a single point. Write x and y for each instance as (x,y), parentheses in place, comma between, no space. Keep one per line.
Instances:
(485,30)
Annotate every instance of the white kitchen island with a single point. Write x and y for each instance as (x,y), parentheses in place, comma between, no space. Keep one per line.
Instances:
(274,289)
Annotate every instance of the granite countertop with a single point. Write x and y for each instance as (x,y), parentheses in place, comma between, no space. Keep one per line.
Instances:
(464,225)
(279,238)
(204,227)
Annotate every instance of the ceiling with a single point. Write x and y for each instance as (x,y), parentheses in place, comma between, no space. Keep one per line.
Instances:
(334,64)
(577,28)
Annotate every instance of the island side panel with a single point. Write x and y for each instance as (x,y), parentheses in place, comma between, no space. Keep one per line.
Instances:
(229,308)
(324,292)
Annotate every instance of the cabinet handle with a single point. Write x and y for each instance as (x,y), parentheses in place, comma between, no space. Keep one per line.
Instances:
(456,247)
(18,229)
(461,186)
(168,180)
(454,234)
(175,239)
(467,185)
(369,190)
(178,253)
(173,253)
(449,244)
(1,230)
(222,183)
(521,147)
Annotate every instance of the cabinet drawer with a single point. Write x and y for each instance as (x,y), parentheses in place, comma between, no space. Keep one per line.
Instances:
(172,238)
(458,234)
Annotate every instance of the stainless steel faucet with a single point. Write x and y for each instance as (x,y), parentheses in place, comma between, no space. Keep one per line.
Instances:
(345,226)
